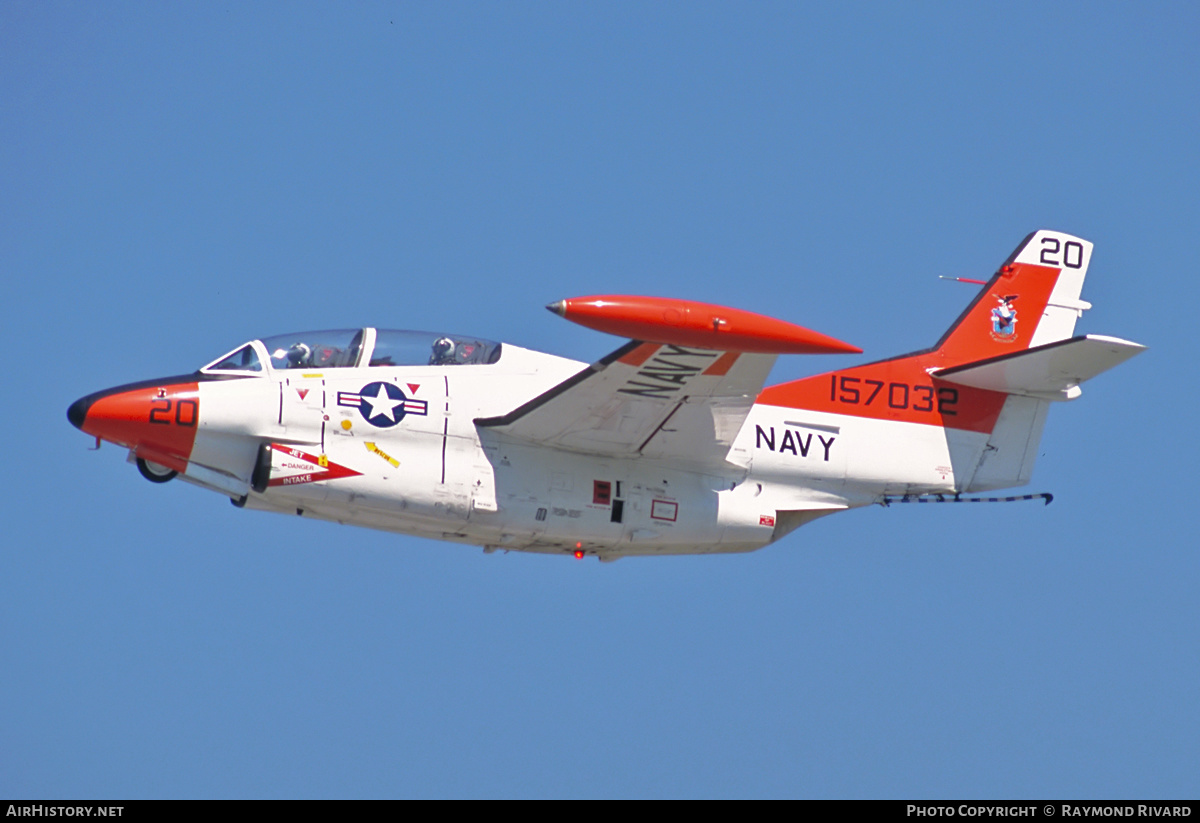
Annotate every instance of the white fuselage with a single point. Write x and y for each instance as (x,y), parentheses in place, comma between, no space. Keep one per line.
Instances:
(436,474)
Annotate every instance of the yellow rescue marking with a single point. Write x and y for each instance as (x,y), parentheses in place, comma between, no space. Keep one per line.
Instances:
(373,449)
(314,374)
(323,461)
(346,424)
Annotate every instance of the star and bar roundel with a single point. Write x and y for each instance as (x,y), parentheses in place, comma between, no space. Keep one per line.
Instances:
(382,404)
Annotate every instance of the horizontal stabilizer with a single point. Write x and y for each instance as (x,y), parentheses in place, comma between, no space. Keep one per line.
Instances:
(1050,372)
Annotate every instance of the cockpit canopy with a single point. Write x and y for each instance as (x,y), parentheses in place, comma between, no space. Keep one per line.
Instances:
(356,348)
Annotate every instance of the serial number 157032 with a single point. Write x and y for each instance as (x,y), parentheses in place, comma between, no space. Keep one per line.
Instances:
(896,395)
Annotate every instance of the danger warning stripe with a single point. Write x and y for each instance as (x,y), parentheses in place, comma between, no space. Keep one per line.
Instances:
(323,468)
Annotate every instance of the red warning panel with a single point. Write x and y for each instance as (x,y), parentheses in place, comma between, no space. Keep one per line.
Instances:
(294,467)
(601,492)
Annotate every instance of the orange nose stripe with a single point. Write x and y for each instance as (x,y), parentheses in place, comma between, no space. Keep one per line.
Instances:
(158,419)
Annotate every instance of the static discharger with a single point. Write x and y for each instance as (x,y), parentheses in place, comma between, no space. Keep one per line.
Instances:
(971,280)
(699,325)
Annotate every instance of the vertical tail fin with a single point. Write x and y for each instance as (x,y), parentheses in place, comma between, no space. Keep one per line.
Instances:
(969,437)
(1031,300)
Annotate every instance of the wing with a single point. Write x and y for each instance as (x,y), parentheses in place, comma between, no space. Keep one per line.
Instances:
(651,399)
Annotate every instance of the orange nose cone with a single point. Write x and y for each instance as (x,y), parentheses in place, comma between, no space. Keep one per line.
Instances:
(156,419)
(700,325)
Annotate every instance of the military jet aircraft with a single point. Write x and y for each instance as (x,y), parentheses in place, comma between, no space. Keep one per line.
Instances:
(668,445)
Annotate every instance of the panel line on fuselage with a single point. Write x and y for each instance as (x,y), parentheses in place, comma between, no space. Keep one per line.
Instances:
(445,426)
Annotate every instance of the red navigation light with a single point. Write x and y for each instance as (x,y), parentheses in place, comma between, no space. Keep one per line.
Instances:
(579,550)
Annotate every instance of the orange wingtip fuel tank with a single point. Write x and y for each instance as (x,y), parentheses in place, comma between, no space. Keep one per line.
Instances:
(699,325)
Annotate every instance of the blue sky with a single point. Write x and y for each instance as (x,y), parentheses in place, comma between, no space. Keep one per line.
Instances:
(178,178)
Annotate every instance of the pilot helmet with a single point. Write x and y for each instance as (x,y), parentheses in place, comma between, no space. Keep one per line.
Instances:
(298,354)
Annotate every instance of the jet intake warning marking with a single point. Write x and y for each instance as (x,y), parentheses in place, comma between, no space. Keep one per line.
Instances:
(298,467)
(382,404)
